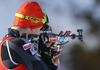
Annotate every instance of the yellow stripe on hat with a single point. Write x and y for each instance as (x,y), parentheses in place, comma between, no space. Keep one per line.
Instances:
(32,18)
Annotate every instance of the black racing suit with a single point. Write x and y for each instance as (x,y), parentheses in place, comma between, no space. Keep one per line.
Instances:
(25,57)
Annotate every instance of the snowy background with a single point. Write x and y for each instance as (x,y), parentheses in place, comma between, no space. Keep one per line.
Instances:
(67,15)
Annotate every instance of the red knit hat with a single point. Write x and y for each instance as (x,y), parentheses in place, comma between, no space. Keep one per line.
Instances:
(31,9)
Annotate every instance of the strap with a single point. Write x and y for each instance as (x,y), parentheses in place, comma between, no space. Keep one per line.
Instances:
(4,39)
(10,53)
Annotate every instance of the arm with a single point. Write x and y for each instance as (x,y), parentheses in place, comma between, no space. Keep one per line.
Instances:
(45,51)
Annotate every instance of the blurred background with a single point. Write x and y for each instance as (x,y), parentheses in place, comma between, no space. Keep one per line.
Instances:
(66,15)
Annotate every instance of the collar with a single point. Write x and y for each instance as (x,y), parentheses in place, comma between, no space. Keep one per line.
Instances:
(13,33)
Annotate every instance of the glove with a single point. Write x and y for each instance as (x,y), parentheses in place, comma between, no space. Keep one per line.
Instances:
(55,56)
(48,51)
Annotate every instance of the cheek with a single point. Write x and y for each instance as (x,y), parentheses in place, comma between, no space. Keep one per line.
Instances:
(35,31)
(30,31)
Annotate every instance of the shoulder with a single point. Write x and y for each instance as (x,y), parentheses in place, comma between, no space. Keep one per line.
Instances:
(19,41)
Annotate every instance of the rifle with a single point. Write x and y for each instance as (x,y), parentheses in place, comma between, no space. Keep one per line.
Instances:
(58,40)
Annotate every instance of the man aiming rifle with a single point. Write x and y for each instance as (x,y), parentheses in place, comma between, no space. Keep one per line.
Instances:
(16,49)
